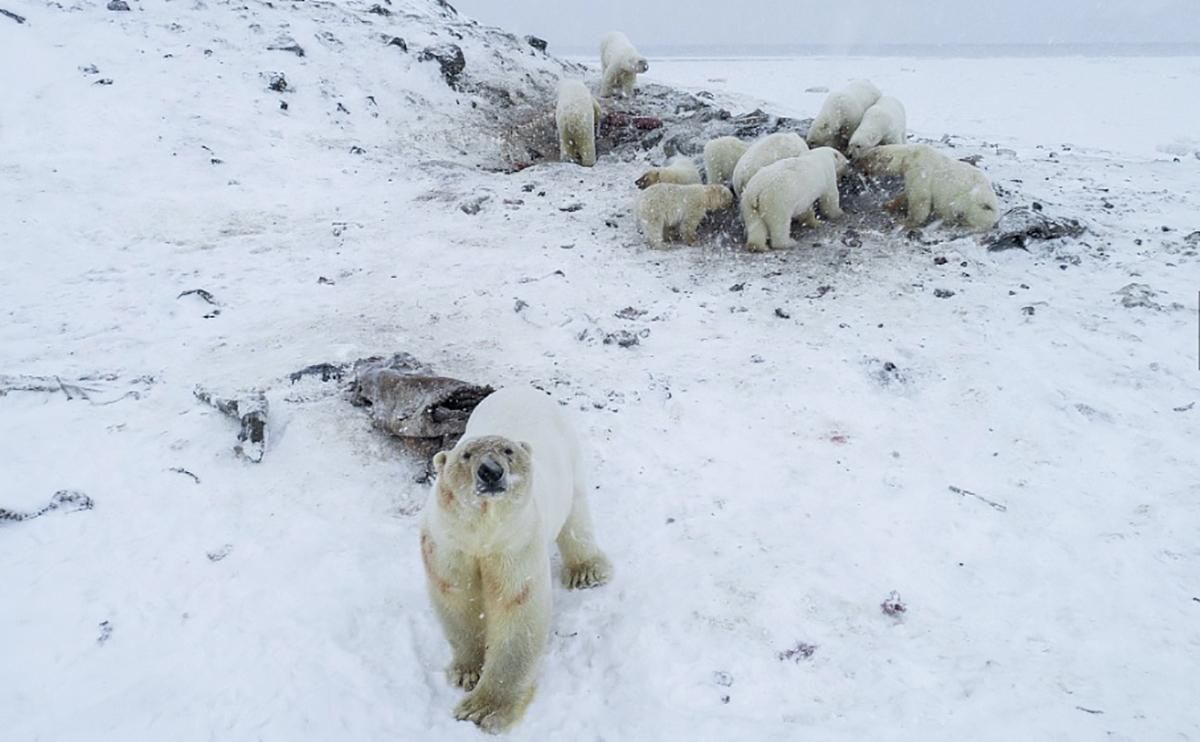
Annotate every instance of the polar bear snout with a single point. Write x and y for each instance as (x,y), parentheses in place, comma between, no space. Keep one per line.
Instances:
(490,476)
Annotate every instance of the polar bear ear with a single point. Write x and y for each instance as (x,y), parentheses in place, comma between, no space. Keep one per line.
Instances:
(439,462)
(528,448)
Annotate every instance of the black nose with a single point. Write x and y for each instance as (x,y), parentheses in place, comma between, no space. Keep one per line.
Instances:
(489,472)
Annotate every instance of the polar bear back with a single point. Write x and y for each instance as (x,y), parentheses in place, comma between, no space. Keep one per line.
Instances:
(769,149)
(721,156)
(523,414)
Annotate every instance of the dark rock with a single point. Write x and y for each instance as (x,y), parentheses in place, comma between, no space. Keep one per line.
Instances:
(943,293)
(118,5)
(571,208)
(447,7)
(327,372)
(623,338)
(357,150)
(449,58)
(893,605)
(104,81)
(323,281)
(90,69)
(14,16)
(802,651)
(397,41)
(378,9)
(68,501)
(536,43)
(283,106)
(1021,225)
(277,81)
(294,48)
(473,206)
(782,314)
(250,410)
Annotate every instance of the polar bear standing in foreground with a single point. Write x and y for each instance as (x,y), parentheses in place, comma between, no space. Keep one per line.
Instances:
(620,64)
(842,114)
(512,485)
(936,185)
(680,208)
(788,189)
(765,151)
(721,156)
(680,171)
(883,123)
(576,116)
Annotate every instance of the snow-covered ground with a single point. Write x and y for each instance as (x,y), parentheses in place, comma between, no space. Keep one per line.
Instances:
(795,436)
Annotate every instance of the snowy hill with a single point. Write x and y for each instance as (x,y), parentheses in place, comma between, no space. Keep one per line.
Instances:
(1007,438)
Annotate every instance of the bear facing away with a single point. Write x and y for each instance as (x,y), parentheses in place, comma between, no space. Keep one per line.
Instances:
(883,123)
(667,207)
(841,115)
(721,156)
(936,185)
(763,152)
(576,115)
(788,189)
(511,486)
(680,171)
(620,64)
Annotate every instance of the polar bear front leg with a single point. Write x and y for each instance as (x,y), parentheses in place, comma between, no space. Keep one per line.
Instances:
(919,194)
(689,230)
(831,205)
(584,565)
(454,589)
(655,233)
(516,596)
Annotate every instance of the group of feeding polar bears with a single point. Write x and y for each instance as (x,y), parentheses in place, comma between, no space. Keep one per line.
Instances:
(780,177)
(513,485)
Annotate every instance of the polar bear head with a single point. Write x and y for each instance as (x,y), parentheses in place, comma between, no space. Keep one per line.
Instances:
(641,65)
(717,197)
(487,468)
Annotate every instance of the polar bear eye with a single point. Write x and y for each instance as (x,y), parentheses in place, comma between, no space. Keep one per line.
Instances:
(508,452)
(466,457)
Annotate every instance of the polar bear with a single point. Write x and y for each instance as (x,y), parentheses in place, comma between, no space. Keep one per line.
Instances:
(511,486)
(787,189)
(883,123)
(576,115)
(681,208)
(680,171)
(721,156)
(620,64)
(841,115)
(936,185)
(763,152)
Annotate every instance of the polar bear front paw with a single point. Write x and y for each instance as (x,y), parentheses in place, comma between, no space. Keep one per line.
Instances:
(592,572)
(464,675)
(489,713)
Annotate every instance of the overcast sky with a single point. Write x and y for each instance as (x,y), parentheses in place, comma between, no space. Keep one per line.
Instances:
(572,24)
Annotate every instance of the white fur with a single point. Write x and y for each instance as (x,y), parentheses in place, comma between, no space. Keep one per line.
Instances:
(620,64)
(883,123)
(937,185)
(841,114)
(681,208)
(721,156)
(764,151)
(487,553)
(787,189)
(680,171)
(576,115)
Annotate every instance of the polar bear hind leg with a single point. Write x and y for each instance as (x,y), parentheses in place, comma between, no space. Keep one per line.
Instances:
(809,219)
(779,226)
(584,564)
